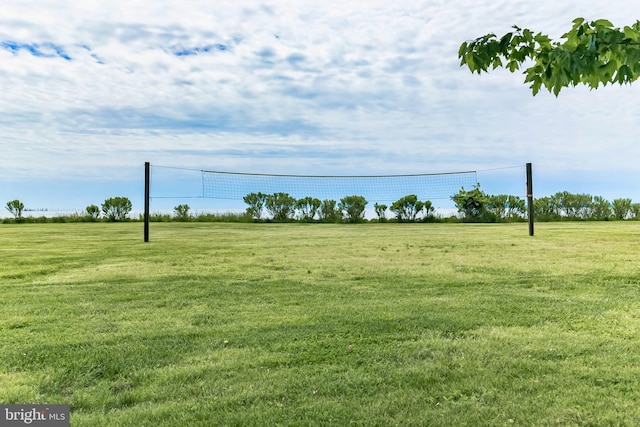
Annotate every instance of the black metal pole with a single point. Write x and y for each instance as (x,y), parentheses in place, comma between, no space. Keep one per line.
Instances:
(530,198)
(147,178)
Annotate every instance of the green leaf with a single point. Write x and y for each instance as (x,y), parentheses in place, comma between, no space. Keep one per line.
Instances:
(623,75)
(602,23)
(542,39)
(577,22)
(631,34)
(527,35)
(504,42)
(462,50)
(513,65)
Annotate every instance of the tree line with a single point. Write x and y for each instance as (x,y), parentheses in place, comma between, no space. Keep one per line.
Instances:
(113,209)
(472,205)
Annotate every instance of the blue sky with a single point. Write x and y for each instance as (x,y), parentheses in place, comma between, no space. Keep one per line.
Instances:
(91,90)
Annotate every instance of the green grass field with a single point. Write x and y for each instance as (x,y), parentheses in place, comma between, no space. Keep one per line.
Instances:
(323,324)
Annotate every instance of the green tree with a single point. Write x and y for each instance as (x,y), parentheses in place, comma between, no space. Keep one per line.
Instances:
(307,208)
(381,211)
(329,212)
(575,206)
(182,212)
(635,210)
(116,208)
(16,207)
(353,208)
(472,204)
(281,206)
(505,206)
(93,212)
(407,208)
(600,208)
(621,208)
(429,211)
(256,204)
(590,53)
(498,205)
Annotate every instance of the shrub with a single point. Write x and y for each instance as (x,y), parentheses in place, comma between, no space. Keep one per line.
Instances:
(181,212)
(15,207)
(93,212)
(504,206)
(281,206)
(407,208)
(472,205)
(621,208)
(329,212)
(256,203)
(116,208)
(307,208)
(353,208)
(381,212)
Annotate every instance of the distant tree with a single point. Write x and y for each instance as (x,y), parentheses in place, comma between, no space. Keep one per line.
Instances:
(281,206)
(516,207)
(591,53)
(256,203)
(15,207)
(182,212)
(93,212)
(472,204)
(328,211)
(546,208)
(635,210)
(407,208)
(116,208)
(505,206)
(575,206)
(307,208)
(353,208)
(381,211)
(621,208)
(429,211)
(600,208)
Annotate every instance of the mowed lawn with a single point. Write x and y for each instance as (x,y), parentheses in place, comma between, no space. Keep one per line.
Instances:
(316,324)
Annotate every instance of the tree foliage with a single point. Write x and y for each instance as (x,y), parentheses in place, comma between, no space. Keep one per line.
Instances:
(506,206)
(116,208)
(621,208)
(181,212)
(407,208)
(381,211)
(93,212)
(256,204)
(307,208)
(15,207)
(472,204)
(576,206)
(281,206)
(353,207)
(328,211)
(591,53)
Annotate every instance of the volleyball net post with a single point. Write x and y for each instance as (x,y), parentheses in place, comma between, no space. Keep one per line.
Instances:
(530,198)
(147,198)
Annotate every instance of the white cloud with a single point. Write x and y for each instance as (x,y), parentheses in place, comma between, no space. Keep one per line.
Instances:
(372,85)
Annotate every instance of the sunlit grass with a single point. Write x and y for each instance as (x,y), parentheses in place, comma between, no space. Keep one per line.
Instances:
(323,324)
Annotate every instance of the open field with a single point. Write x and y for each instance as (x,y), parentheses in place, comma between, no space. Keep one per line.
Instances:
(294,324)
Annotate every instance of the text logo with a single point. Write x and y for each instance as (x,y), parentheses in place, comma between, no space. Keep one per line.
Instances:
(34,415)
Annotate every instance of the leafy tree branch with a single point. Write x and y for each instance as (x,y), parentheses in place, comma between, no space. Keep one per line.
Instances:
(591,53)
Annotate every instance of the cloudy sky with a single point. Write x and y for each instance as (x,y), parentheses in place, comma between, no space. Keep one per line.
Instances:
(93,89)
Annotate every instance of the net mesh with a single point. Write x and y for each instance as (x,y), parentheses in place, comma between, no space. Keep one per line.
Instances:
(382,188)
